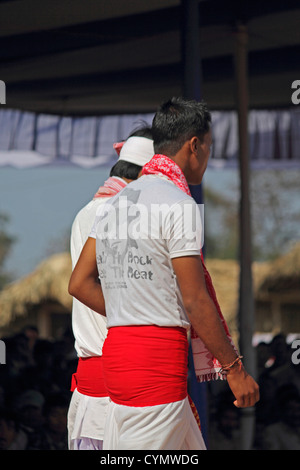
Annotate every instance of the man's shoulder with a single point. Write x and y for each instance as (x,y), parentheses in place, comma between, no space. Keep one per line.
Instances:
(89,211)
(92,206)
(159,188)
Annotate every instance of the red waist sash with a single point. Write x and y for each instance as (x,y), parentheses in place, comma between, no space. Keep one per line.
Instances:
(145,365)
(89,379)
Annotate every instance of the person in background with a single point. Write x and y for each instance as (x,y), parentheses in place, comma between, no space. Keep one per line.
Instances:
(224,430)
(28,407)
(284,434)
(11,436)
(54,434)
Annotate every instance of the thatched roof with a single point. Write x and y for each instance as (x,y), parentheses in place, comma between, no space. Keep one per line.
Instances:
(284,273)
(225,276)
(49,281)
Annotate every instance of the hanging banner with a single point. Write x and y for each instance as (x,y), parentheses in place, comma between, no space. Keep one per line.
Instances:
(30,140)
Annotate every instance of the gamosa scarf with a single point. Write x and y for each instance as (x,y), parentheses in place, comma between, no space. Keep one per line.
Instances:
(206,366)
(111,186)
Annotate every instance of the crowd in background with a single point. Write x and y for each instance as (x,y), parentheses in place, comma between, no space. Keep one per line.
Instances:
(35,391)
(276,415)
(35,394)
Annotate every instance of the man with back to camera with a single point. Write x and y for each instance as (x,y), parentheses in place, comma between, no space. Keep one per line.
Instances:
(156,292)
(88,407)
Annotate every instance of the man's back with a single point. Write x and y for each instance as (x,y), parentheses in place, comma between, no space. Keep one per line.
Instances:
(89,327)
(138,235)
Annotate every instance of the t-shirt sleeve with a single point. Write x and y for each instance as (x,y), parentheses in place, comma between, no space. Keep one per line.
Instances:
(183,229)
(93,230)
(102,209)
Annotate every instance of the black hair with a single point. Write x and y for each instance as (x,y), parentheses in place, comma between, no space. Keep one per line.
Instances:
(176,121)
(128,170)
(124,169)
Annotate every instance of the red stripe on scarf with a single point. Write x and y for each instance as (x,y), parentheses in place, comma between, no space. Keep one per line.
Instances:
(146,365)
(111,187)
(89,378)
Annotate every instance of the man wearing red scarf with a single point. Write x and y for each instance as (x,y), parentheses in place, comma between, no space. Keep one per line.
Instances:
(155,288)
(88,407)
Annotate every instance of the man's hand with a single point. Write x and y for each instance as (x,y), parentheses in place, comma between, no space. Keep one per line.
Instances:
(243,386)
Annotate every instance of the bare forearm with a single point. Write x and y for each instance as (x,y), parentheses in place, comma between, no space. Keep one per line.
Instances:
(90,294)
(205,320)
(207,324)
(84,283)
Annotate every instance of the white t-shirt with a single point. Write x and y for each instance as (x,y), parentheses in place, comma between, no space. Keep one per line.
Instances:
(89,327)
(138,232)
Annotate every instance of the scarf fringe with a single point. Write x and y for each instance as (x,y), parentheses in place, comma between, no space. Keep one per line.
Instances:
(211,376)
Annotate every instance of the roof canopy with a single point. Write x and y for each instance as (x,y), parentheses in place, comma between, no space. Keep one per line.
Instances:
(119,57)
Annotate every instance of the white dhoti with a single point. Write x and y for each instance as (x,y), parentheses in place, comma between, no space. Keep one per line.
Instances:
(170,426)
(146,376)
(86,420)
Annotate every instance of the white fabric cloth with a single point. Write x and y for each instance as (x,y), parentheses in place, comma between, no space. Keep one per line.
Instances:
(137,278)
(86,443)
(161,427)
(86,420)
(89,327)
(137,150)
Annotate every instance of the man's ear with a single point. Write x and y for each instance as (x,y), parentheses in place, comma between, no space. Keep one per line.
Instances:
(194,144)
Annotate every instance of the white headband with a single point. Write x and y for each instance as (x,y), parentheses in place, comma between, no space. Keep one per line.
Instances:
(137,150)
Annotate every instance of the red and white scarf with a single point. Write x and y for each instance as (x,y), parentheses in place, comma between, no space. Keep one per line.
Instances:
(206,366)
(111,186)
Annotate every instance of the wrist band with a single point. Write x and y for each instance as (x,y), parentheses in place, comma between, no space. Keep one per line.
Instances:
(227,367)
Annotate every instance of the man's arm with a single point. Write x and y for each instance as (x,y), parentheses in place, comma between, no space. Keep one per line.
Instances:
(84,283)
(206,322)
